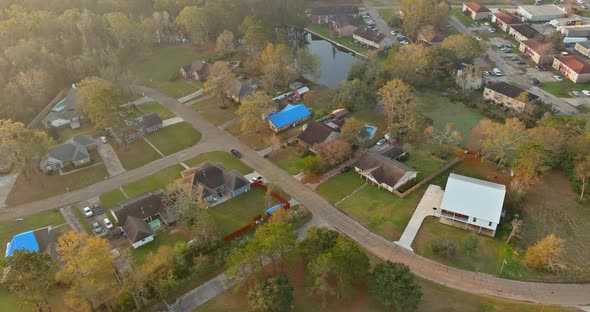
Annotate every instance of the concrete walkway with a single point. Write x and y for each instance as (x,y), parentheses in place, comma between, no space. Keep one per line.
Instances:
(71,219)
(6,183)
(110,159)
(432,199)
(171,121)
(153,146)
(191,96)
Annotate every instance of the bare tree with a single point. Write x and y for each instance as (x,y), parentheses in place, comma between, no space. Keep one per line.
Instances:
(448,135)
(469,78)
(516,229)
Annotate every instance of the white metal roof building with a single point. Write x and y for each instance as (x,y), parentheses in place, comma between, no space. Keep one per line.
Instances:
(540,13)
(472,203)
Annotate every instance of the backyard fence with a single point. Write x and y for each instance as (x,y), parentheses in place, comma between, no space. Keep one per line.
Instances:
(432,176)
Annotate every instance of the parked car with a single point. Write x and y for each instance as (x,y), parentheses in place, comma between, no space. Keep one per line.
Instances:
(486,23)
(536,82)
(514,58)
(345,169)
(492,30)
(477,38)
(543,68)
(393,32)
(520,62)
(477,24)
(539,68)
(576,93)
(88,212)
(486,73)
(586,92)
(558,78)
(381,142)
(103,139)
(236,153)
(97,209)
(107,223)
(96,227)
(507,51)
(497,71)
(404,42)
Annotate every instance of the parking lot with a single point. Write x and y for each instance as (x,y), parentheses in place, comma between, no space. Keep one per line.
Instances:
(96,215)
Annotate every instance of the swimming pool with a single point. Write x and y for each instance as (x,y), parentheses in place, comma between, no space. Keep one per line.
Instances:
(370,130)
(59,106)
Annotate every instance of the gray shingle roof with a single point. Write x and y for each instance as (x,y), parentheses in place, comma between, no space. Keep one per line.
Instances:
(141,206)
(84,140)
(71,151)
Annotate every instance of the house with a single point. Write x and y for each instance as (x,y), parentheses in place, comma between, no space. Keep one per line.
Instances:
(476,11)
(583,48)
(65,112)
(573,67)
(324,15)
(197,70)
(383,171)
(575,31)
(567,21)
(141,216)
(216,181)
(339,113)
(242,89)
(433,38)
(511,96)
(540,52)
(288,117)
(523,32)
(74,152)
(142,126)
(505,20)
(540,13)
(372,38)
(472,204)
(316,132)
(42,240)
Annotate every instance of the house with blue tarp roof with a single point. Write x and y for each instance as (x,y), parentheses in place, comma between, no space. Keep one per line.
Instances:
(41,240)
(290,116)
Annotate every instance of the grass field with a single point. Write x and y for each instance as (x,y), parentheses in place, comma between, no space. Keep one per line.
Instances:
(421,158)
(212,111)
(10,228)
(38,185)
(256,140)
(155,107)
(237,212)
(564,88)
(137,154)
(168,238)
(158,180)
(110,199)
(228,160)
(319,99)
(339,186)
(174,138)
(464,19)
(287,159)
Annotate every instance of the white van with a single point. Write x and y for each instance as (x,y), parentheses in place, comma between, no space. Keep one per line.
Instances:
(497,72)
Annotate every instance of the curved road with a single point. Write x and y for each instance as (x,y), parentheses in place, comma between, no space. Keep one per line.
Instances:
(216,139)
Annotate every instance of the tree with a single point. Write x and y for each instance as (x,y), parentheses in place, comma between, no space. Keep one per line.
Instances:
(185,202)
(545,254)
(308,64)
(469,78)
(273,294)
(500,139)
(86,90)
(317,241)
(398,101)
(582,173)
(465,47)
(87,268)
(104,109)
(21,146)
(394,286)
(256,34)
(334,152)
(412,64)
(277,239)
(199,23)
(277,65)
(350,263)
(29,275)
(353,95)
(314,164)
(219,81)
(225,43)
(469,244)
(255,108)
(516,229)
(528,163)
(420,13)
(444,247)
(353,132)
(447,136)
(35,82)
(319,270)
(158,272)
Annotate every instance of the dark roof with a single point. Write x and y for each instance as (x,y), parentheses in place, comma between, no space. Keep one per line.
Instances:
(537,46)
(525,30)
(84,140)
(335,10)
(315,133)
(393,152)
(370,34)
(150,120)
(71,151)
(211,177)
(476,7)
(585,44)
(510,90)
(136,229)
(242,89)
(508,18)
(141,206)
(382,169)
(575,63)
(340,112)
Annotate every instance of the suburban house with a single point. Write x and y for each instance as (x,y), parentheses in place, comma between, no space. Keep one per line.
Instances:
(288,117)
(505,94)
(372,38)
(573,67)
(566,21)
(324,15)
(523,32)
(42,240)
(142,126)
(384,171)
(540,52)
(540,13)
(197,70)
(476,11)
(65,112)
(316,132)
(215,181)
(472,204)
(505,20)
(583,48)
(74,152)
(242,89)
(141,216)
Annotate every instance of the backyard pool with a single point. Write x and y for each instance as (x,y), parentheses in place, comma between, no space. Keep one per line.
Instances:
(370,131)
(59,106)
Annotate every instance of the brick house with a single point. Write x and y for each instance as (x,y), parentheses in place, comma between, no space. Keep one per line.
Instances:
(476,11)
(573,67)
(505,94)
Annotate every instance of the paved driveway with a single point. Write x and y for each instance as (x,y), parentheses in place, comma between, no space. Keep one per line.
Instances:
(6,183)
(110,159)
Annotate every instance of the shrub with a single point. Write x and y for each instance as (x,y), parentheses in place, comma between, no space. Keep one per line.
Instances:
(444,248)
(470,244)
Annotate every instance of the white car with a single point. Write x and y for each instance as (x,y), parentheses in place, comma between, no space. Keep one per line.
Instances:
(558,78)
(486,23)
(393,32)
(107,223)
(586,92)
(576,93)
(404,42)
(477,38)
(381,142)
(103,139)
(88,212)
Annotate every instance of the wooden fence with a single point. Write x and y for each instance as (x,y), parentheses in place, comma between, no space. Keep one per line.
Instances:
(432,176)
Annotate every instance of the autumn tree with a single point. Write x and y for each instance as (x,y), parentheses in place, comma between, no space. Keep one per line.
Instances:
(255,108)
(353,95)
(353,132)
(545,254)
(185,201)
(398,102)
(220,81)
(277,239)
(256,34)
(412,64)
(517,226)
(500,139)
(530,160)
(465,47)
(277,66)
(421,13)
(29,275)
(21,146)
(104,107)
(469,78)
(334,152)
(317,241)
(87,88)
(225,43)
(272,294)
(582,173)
(159,272)
(394,286)
(35,82)
(87,269)
(447,136)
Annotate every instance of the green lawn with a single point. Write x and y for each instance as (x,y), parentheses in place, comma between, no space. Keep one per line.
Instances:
(442,111)
(158,180)
(155,107)
(176,88)
(464,19)
(141,254)
(10,228)
(212,111)
(339,186)
(319,100)
(137,154)
(82,219)
(421,158)
(226,159)
(564,88)
(256,140)
(110,199)
(386,14)
(237,212)
(287,159)
(174,138)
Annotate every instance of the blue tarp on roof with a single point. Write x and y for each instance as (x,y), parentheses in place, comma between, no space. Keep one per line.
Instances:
(24,240)
(290,114)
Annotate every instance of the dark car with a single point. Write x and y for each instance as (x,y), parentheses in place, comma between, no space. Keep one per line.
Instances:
(536,81)
(97,209)
(345,169)
(521,62)
(539,68)
(236,153)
